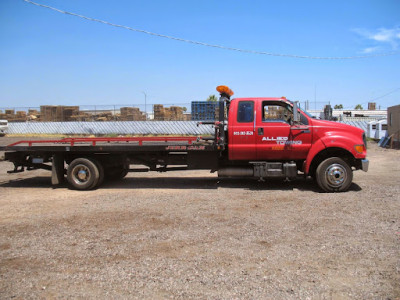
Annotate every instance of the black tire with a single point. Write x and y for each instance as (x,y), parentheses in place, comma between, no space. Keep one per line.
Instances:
(334,175)
(83,174)
(122,174)
(101,172)
(116,173)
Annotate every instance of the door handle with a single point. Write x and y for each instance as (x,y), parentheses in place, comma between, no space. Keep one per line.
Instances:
(299,128)
(303,129)
(260,131)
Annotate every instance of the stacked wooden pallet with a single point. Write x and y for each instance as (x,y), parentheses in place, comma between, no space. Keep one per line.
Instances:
(131,114)
(59,113)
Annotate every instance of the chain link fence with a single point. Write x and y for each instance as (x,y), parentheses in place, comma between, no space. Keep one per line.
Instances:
(313,105)
(98,113)
(122,119)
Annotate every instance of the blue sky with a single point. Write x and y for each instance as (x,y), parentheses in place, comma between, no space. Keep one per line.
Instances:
(52,58)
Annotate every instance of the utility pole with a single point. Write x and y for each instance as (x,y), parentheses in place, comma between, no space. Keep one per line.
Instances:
(315,96)
(145,105)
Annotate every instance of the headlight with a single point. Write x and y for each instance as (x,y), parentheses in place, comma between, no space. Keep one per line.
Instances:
(364,140)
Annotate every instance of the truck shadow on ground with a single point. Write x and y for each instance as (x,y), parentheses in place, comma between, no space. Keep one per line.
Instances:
(301,184)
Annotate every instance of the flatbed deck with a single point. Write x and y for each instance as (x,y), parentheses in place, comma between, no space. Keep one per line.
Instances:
(90,160)
(118,144)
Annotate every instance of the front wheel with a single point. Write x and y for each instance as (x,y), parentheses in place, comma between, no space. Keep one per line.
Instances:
(334,175)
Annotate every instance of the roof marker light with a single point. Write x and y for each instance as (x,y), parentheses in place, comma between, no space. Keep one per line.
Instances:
(223,89)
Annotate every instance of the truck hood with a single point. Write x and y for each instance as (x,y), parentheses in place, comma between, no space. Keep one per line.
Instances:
(322,128)
(335,126)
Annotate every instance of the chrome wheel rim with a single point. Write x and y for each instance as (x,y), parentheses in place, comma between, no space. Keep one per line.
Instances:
(336,175)
(80,174)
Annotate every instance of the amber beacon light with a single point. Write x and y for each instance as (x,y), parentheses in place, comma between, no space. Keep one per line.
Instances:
(223,89)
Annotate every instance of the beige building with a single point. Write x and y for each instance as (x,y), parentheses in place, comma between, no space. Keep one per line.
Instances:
(393,119)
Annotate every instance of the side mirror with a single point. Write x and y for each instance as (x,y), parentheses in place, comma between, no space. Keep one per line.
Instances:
(296,117)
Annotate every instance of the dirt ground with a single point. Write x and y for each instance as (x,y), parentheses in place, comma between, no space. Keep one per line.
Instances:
(191,235)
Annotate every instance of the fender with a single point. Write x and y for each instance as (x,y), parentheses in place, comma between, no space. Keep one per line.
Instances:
(316,148)
(333,140)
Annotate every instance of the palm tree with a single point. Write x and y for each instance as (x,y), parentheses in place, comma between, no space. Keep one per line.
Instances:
(212,98)
(338,106)
(358,106)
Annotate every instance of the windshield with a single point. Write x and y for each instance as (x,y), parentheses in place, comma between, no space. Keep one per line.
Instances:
(302,110)
(307,113)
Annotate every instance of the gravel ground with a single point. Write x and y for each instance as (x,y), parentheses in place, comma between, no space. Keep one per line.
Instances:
(191,235)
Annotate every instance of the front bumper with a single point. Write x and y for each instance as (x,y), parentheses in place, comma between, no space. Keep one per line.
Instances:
(364,165)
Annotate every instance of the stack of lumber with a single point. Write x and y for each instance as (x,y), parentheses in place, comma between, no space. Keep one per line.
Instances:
(59,113)
(131,114)
(173,113)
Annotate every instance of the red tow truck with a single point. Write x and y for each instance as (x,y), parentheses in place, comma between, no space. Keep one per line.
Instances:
(261,138)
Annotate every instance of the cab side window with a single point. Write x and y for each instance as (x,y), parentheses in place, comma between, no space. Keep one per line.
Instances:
(275,112)
(245,112)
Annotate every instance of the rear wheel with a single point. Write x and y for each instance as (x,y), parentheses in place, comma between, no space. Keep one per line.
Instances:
(101,172)
(116,172)
(334,175)
(83,174)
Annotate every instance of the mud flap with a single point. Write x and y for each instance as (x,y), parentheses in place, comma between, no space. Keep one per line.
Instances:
(57,169)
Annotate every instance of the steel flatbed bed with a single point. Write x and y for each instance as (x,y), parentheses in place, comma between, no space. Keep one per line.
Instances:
(90,160)
(119,144)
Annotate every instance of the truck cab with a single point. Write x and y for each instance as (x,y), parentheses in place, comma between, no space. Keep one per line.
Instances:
(263,128)
(274,137)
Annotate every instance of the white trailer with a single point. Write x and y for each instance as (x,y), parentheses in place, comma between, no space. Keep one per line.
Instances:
(371,129)
(3,127)
(381,129)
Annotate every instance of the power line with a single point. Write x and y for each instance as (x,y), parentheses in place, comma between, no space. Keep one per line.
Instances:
(377,98)
(387,94)
(210,45)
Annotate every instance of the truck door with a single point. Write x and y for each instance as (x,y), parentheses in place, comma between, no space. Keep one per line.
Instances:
(241,131)
(276,137)
(301,135)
